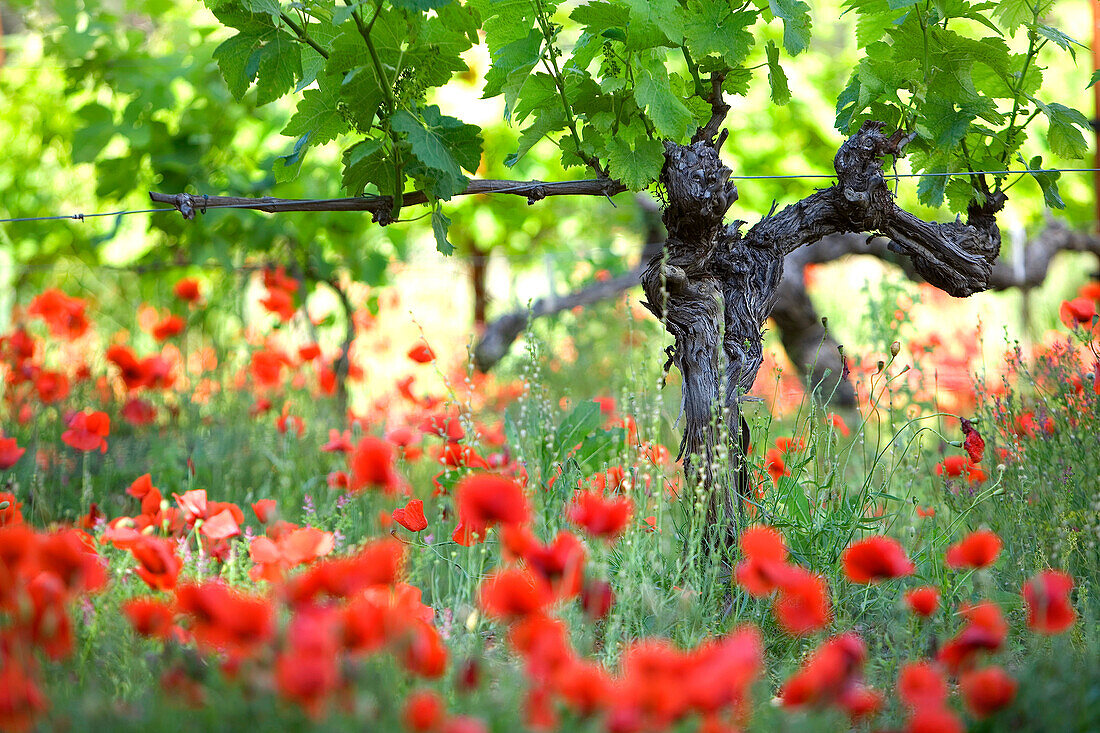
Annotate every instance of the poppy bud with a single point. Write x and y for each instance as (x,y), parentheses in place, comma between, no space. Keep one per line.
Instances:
(895,348)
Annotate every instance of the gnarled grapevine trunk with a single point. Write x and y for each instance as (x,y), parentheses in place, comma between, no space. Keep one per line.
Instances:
(713,287)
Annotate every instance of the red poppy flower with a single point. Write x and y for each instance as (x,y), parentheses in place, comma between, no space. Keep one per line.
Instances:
(167,327)
(922,685)
(372,466)
(977,550)
(600,517)
(830,669)
(221,526)
(134,372)
(765,559)
(1049,610)
(150,617)
(838,423)
(421,353)
(411,516)
(1077,312)
(187,289)
(138,412)
(64,316)
(874,559)
(802,606)
(934,720)
(267,367)
(513,593)
(226,620)
(51,386)
(280,302)
(955,466)
(10,453)
(985,691)
(486,499)
(264,509)
(597,598)
(776,466)
(338,442)
(70,555)
(274,555)
(158,564)
(424,711)
(309,352)
(973,443)
(923,601)
(88,431)
(985,630)
(9,514)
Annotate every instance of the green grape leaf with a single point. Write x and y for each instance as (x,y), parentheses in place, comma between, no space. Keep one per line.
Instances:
(266,7)
(737,81)
(796,24)
(930,189)
(777,78)
(512,66)
(280,63)
(636,166)
(421,6)
(233,57)
(361,95)
(317,117)
(1014,13)
(549,121)
(440,224)
(1060,39)
(1095,78)
(442,144)
(287,166)
(1048,183)
(654,94)
(654,23)
(367,162)
(1062,133)
(711,28)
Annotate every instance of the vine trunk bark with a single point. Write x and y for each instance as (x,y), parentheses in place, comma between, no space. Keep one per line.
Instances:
(713,288)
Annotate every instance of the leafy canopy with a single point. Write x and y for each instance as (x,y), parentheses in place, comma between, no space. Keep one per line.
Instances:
(608,80)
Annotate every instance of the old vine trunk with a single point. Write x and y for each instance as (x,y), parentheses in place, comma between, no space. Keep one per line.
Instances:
(713,287)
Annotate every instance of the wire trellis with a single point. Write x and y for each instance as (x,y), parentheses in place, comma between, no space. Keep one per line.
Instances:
(530,186)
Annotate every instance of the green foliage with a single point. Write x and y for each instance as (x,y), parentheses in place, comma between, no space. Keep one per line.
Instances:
(947,71)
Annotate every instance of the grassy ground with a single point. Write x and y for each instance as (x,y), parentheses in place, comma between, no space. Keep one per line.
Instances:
(509,632)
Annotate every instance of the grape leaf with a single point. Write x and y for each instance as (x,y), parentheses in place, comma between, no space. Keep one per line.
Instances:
(267,7)
(654,23)
(636,166)
(1095,78)
(1062,133)
(442,144)
(421,6)
(440,224)
(796,24)
(1048,183)
(711,28)
(287,166)
(280,63)
(1061,39)
(367,162)
(777,78)
(317,117)
(1014,13)
(654,94)
(930,189)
